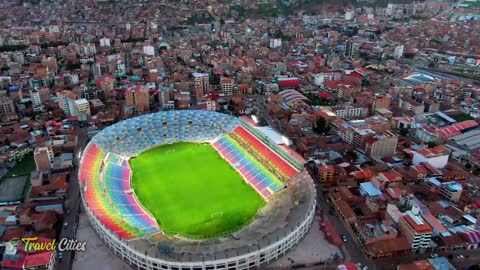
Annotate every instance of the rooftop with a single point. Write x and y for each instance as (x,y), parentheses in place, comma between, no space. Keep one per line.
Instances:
(417,223)
(370,189)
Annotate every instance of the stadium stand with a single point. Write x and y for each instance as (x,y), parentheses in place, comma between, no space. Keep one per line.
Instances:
(275,147)
(105,173)
(263,181)
(105,179)
(122,223)
(269,155)
(136,135)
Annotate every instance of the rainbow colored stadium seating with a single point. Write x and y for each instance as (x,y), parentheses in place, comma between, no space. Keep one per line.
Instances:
(261,179)
(278,162)
(105,172)
(107,193)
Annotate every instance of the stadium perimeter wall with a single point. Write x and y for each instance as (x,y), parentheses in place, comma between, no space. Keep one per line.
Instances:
(139,260)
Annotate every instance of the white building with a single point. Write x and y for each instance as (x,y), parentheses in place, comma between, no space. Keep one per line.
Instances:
(104,42)
(53,29)
(66,102)
(36,100)
(149,50)
(349,15)
(275,43)
(398,53)
(320,78)
(437,156)
(391,9)
(89,49)
(211,105)
(349,111)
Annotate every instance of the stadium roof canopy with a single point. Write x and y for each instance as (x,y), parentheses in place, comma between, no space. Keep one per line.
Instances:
(291,95)
(272,134)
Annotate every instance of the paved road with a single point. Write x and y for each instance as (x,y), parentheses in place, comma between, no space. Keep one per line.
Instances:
(351,249)
(72,203)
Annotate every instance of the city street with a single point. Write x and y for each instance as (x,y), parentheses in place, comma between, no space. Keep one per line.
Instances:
(73,204)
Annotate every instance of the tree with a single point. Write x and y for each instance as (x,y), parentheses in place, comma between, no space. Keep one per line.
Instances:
(404,131)
(352,155)
(431,144)
(321,125)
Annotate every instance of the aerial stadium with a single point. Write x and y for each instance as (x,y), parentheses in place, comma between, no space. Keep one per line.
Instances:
(194,190)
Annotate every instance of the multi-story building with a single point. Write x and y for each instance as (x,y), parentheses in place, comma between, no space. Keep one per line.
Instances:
(320,78)
(430,105)
(149,50)
(81,109)
(227,85)
(43,156)
(398,52)
(381,146)
(182,100)
(104,42)
(350,111)
(415,229)
(371,230)
(352,48)
(15,93)
(411,105)
(117,65)
(6,106)
(66,101)
(437,156)
(44,94)
(201,83)
(165,98)
(380,101)
(326,172)
(36,100)
(107,84)
(211,105)
(275,43)
(138,96)
(449,190)
(356,132)
(361,136)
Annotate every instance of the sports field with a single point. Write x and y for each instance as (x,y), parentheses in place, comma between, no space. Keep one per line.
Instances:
(192,191)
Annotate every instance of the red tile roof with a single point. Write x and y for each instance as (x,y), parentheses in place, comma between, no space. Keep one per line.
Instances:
(394,192)
(326,168)
(29,261)
(450,131)
(420,228)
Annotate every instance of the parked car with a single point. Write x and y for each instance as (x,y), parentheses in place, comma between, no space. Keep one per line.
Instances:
(65,225)
(344,238)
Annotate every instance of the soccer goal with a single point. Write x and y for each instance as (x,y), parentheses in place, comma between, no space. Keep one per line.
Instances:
(218,214)
(170,151)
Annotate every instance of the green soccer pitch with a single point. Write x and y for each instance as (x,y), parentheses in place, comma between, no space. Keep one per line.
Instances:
(192,191)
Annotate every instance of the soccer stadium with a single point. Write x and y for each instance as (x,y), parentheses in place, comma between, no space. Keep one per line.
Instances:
(195,190)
